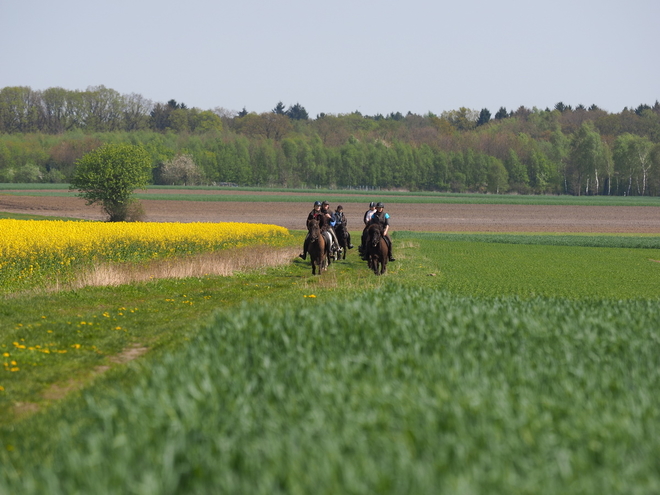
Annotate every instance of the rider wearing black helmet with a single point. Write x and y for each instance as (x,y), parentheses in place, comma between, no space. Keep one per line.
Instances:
(340,219)
(382,218)
(369,213)
(315,214)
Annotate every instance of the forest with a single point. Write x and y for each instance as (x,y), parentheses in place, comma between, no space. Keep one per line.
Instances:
(566,149)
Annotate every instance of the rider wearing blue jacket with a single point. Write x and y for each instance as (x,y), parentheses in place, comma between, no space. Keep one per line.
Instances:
(328,225)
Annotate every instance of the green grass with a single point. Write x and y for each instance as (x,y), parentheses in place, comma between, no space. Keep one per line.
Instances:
(646,241)
(392,391)
(339,195)
(25,216)
(476,365)
(475,267)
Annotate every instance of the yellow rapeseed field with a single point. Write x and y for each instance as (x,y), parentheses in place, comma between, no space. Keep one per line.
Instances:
(43,250)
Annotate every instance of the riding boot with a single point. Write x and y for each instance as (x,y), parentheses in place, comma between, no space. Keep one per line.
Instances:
(335,241)
(305,246)
(389,246)
(362,248)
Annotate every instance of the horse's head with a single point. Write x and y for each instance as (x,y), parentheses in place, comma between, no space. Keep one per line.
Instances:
(314,229)
(374,234)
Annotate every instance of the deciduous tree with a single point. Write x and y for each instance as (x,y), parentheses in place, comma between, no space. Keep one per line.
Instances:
(588,158)
(181,170)
(632,158)
(109,175)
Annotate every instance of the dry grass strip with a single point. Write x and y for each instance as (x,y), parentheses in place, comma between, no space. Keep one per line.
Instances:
(224,263)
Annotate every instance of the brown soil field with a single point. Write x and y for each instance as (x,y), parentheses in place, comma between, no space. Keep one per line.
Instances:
(416,217)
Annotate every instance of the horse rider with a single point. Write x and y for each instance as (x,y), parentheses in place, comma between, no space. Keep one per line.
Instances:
(327,225)
(368,214)
(382,218)
(315,214)
(366,219)
(340,219)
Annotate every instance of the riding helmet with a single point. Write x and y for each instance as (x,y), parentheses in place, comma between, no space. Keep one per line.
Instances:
(380,205)
(372,205)
(317,203)
(325,203)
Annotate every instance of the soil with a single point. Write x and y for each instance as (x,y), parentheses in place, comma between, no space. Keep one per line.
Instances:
(415,217)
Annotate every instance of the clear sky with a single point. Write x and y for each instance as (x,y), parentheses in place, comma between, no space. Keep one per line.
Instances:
(340,56)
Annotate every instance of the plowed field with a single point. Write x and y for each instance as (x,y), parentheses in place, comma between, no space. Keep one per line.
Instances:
(417,217)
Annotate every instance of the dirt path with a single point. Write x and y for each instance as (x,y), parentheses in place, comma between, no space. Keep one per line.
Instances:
(416,217)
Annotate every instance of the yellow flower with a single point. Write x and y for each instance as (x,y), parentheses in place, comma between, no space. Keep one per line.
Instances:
(34,246)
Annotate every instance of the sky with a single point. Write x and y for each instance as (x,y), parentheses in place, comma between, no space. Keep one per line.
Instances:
(375,57)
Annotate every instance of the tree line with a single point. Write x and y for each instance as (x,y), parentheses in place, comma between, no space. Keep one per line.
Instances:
(563,150)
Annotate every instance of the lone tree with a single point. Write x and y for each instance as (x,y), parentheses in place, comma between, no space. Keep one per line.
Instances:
(109,175)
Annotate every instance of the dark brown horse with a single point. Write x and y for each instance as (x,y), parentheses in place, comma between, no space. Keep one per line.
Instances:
(377,250)
(342,236)
(316,249)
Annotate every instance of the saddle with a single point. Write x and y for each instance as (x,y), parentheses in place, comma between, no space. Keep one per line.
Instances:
(332,246)
(328,241)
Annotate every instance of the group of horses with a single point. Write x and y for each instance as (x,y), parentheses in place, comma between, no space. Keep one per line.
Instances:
(321,253)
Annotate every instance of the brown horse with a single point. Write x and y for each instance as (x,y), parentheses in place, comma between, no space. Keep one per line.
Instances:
(316,248)
(377,250)
(341,231)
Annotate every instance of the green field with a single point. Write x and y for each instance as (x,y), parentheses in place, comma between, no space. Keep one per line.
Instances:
(478,364)
(340,195)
